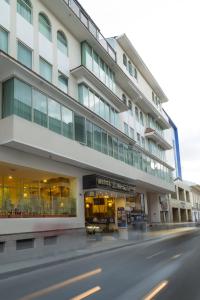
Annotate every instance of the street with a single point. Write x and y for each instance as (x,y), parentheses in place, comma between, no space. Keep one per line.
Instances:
(162,270)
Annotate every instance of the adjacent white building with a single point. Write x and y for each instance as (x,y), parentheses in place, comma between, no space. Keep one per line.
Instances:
(75,104)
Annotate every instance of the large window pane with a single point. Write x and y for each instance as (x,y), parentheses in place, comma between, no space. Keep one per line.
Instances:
(67,123)
(39,108)
(95,64)
(107,112)
(24,9)
(3,40)
(8,98)
(54,116)
(63,82)
(45,26)
(104,142)
(91,101)
(22,99)
(89,133)
(115,148)
(84,95)
(45,69)
(97,138)
(79,123)
(62,42)
(24,55)
(110,145)
(102,108)
(121,151)
(97,104)
(87,56)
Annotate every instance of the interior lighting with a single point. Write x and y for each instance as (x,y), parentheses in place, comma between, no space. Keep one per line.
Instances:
(87,205)
(45,180)
(10,177)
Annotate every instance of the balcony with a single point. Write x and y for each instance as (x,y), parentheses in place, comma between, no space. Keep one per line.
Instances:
(83,74)
(157,138)
(76,19)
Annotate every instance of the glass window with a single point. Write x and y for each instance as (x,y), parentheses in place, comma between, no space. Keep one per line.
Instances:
(112,116)
(62,42)
(107,112)
(126,131)
(138,138)
(24,8)
(67,123)
(24,55)
(79,128)
(22,99)
(3,40)
(142,118)
(102,108)
(110,145)
(8,98)
(89,134)
(39,108)
(125,60)
(97,137)
(130,68)
(115,147)
(136,113)
(143,142)
(95,64)
(132,134)
(45,26)
(126,156)
(135,73)
(91,101)
(63,82)
(130,105)
(45,69)
(104,142)
(54,112)
(102,71)
(97,104)
(87,56)
(121,151)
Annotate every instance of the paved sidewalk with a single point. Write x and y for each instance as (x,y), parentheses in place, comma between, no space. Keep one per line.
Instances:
(94,246)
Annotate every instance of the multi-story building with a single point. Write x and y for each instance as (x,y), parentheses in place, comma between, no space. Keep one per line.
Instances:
(195,199)
(180,203)
(82,129)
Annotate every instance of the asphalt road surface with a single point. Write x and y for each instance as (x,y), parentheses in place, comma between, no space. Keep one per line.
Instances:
(163,270)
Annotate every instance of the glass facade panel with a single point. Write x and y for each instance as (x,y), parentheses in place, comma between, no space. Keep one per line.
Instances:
(91,101)
(104,138)
(67,123)
(45,70)
(54,112)
(17,99)
(87,56)
(40,108)
(3,40)
(89,134)
(24,55)
(24,9)
(97,104)
(96,64)
(97,138)
(79,128)
(22,99)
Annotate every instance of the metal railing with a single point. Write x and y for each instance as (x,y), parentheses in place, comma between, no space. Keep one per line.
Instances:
(93,29)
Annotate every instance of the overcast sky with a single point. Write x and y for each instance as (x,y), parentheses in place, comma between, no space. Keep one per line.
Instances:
(166,33)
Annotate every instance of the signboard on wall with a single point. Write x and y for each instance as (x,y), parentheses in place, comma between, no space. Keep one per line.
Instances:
(101,182)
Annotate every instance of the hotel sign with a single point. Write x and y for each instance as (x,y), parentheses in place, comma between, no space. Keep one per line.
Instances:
(110,184)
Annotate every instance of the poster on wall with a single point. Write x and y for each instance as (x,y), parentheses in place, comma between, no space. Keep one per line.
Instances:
(121,217)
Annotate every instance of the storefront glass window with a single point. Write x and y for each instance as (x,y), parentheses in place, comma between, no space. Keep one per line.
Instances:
(33,197)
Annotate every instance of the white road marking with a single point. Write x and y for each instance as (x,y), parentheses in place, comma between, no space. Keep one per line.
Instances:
(176,256)
(87,293)
(156,290)
(62,284)
(155,254)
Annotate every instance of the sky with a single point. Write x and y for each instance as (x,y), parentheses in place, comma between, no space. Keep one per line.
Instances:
(166,33)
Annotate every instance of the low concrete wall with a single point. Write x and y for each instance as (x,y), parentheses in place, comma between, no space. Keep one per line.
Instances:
(43,244)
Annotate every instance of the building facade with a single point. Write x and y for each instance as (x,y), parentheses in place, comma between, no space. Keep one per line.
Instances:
(83,134)
(195,199)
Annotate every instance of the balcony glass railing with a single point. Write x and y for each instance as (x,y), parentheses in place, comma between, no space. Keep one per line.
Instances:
(87,21)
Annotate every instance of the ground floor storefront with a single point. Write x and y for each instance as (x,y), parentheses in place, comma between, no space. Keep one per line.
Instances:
(111,203)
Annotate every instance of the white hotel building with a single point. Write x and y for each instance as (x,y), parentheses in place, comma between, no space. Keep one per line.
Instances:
(72,104)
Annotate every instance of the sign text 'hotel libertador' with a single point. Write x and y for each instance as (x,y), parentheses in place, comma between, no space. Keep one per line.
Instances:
(101,182)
